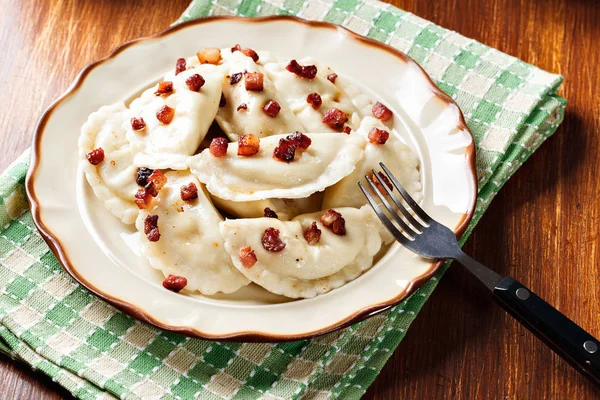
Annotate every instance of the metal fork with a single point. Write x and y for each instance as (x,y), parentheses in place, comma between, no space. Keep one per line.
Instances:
(417,231)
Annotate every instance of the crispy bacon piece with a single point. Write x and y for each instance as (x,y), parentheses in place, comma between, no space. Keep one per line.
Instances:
(142,199)
(382,112)
(333,220)
(189,192)
(222,102)
(195,82)
(218,147)
(165,115)
(378,136)
(314,99)
(138,124)
(209,55)
(235,48)
(242,106)
(300,140)
(248,145)
(180,66)
(306,72)
(312,234)
(156,181)
(379,185)
(247,52)
(235,78)
(151,228)
(247,257)
(335,118)
(270,213)
(254,81)
(347,130)
(174,283)
(271,241)
(164,87)
(95,156)
(332,77)
(285,151)
(272,108)
(141,176)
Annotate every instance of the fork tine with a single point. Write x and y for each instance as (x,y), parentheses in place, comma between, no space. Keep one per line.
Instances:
(392,212)
(411,220)
(411,202)
(384,219)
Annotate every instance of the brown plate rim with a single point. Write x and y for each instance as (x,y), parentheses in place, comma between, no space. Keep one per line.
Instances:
(246,336)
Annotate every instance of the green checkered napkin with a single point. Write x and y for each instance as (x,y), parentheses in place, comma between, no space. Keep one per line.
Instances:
(95,351)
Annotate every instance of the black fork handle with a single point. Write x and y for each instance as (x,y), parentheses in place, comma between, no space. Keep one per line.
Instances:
(562,335)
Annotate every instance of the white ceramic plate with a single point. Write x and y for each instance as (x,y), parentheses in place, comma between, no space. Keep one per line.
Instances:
(92,245)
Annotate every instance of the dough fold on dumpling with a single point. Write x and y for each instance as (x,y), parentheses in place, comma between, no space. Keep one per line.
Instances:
(253,119)
(190,244)
(285,209)
(113,180)
(302,270)
(329,158)
(161,146)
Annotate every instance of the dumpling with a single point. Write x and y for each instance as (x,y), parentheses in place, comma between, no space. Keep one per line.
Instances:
(252,119)
(296,90)
(190,244)
(329,158)
(302,269)
(160,145)
(285,209)
(397,156)
(113,179)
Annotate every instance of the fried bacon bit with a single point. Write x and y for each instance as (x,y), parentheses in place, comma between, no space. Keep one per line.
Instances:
(335,118)
(347,130)
(378,136)
(195,82)
(285,151)
(247,52)
(254,81)
(142,175)
(165,115)
(272,108)
(332,77)
(379,185)
(382,112)
(271,241)
(95,156)
(314,99)
(156,181)
(142,199)
(247,257)
(300,140)
(210,55)
(270,213)
(174,283)
(164,87)
(242,106)
(218,147)
(312,234)
(138,124)
(189,192)
(222,102)
(180,66)
(151,228)
(334,221)
(235,78)
(306,72)
(248,145)
(235,48)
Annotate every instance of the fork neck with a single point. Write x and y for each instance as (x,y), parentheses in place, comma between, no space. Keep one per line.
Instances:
(488,277)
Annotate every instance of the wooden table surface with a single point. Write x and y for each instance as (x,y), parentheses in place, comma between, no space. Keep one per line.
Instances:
(543,227)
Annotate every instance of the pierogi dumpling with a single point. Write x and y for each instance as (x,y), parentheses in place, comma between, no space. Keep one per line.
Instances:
(113,179)
(329,158)
(190,244)
(302,269)
(296,90)
(252,119)
(285,209)
(160,145)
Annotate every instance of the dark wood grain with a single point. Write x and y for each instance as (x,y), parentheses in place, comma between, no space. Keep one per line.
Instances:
(543,228)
